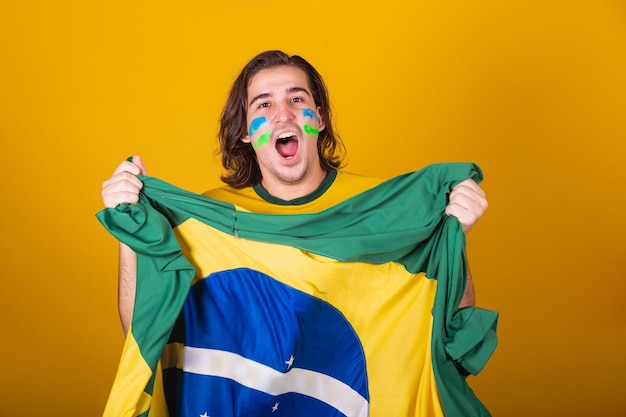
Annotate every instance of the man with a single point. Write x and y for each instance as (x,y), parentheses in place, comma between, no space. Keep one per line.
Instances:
(281,156)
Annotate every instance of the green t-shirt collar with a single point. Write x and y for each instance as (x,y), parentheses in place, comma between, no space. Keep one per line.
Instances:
(321,189)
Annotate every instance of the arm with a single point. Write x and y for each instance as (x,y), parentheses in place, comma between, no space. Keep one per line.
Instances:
(469,297)
(124,187)
(127,284)
(467,203)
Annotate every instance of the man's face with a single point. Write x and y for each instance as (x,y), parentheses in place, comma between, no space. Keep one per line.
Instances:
(283,126)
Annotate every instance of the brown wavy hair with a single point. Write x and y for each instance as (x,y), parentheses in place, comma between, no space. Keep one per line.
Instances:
(238,158)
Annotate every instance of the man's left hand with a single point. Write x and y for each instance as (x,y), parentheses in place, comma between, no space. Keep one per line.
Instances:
(467,203)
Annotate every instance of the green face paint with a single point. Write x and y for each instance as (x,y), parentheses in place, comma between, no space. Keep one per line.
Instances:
(310,130)
(254,126)
(264,139)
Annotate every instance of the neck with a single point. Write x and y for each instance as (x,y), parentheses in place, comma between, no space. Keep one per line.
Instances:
(292,190)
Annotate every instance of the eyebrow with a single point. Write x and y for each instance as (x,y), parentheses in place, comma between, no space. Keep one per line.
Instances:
(290,91)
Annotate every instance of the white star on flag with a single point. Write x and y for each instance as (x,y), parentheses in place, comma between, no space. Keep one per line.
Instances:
(275,407)
(289,362)
(204,415)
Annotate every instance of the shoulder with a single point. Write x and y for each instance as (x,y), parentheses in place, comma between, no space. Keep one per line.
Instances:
(227,192)
(241,198)
(347,185)
(350,184)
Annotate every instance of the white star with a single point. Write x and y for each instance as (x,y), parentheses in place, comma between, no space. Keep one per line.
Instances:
(275,408)
(289,362)
(204,415)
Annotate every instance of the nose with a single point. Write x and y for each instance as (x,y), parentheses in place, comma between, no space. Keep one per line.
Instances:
(284,113)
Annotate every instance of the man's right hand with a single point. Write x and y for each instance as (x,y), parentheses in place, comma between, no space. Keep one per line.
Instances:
(124,186)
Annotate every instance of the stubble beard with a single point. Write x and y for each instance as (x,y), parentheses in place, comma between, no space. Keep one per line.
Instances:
(291,176)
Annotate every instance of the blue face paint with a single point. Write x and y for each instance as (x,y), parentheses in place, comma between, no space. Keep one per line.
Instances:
(308,129)
(255,124)
(309,113)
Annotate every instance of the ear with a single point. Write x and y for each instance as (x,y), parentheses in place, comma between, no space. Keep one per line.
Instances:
(322,122)
(246,139)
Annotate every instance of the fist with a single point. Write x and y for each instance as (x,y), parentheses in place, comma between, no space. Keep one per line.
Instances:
(124,186)
(467,203)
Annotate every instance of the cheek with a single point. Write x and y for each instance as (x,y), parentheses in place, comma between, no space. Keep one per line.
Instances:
(264,139)
(255,125)
(311,122)
(259,132)
(311,130)
(310,114)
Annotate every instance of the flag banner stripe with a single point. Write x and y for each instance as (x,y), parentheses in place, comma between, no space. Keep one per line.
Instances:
(264,378)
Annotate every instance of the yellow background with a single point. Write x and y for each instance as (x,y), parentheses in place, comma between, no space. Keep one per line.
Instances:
(533,91)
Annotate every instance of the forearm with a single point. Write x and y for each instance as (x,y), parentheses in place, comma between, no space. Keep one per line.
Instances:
(127,284)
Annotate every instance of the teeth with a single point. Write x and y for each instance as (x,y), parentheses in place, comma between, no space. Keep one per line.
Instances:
(285,135)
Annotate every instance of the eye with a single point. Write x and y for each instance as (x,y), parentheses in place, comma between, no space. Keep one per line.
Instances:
(264,105)
(297,100)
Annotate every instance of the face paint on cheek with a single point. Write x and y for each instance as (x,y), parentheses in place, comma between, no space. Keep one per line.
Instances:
(264,139)
(308,129)
(310,113)
(254,126)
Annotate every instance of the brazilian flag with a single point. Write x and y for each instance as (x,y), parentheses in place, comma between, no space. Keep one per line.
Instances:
(350,309)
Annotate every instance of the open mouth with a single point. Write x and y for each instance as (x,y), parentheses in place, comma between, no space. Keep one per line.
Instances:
(287,145)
